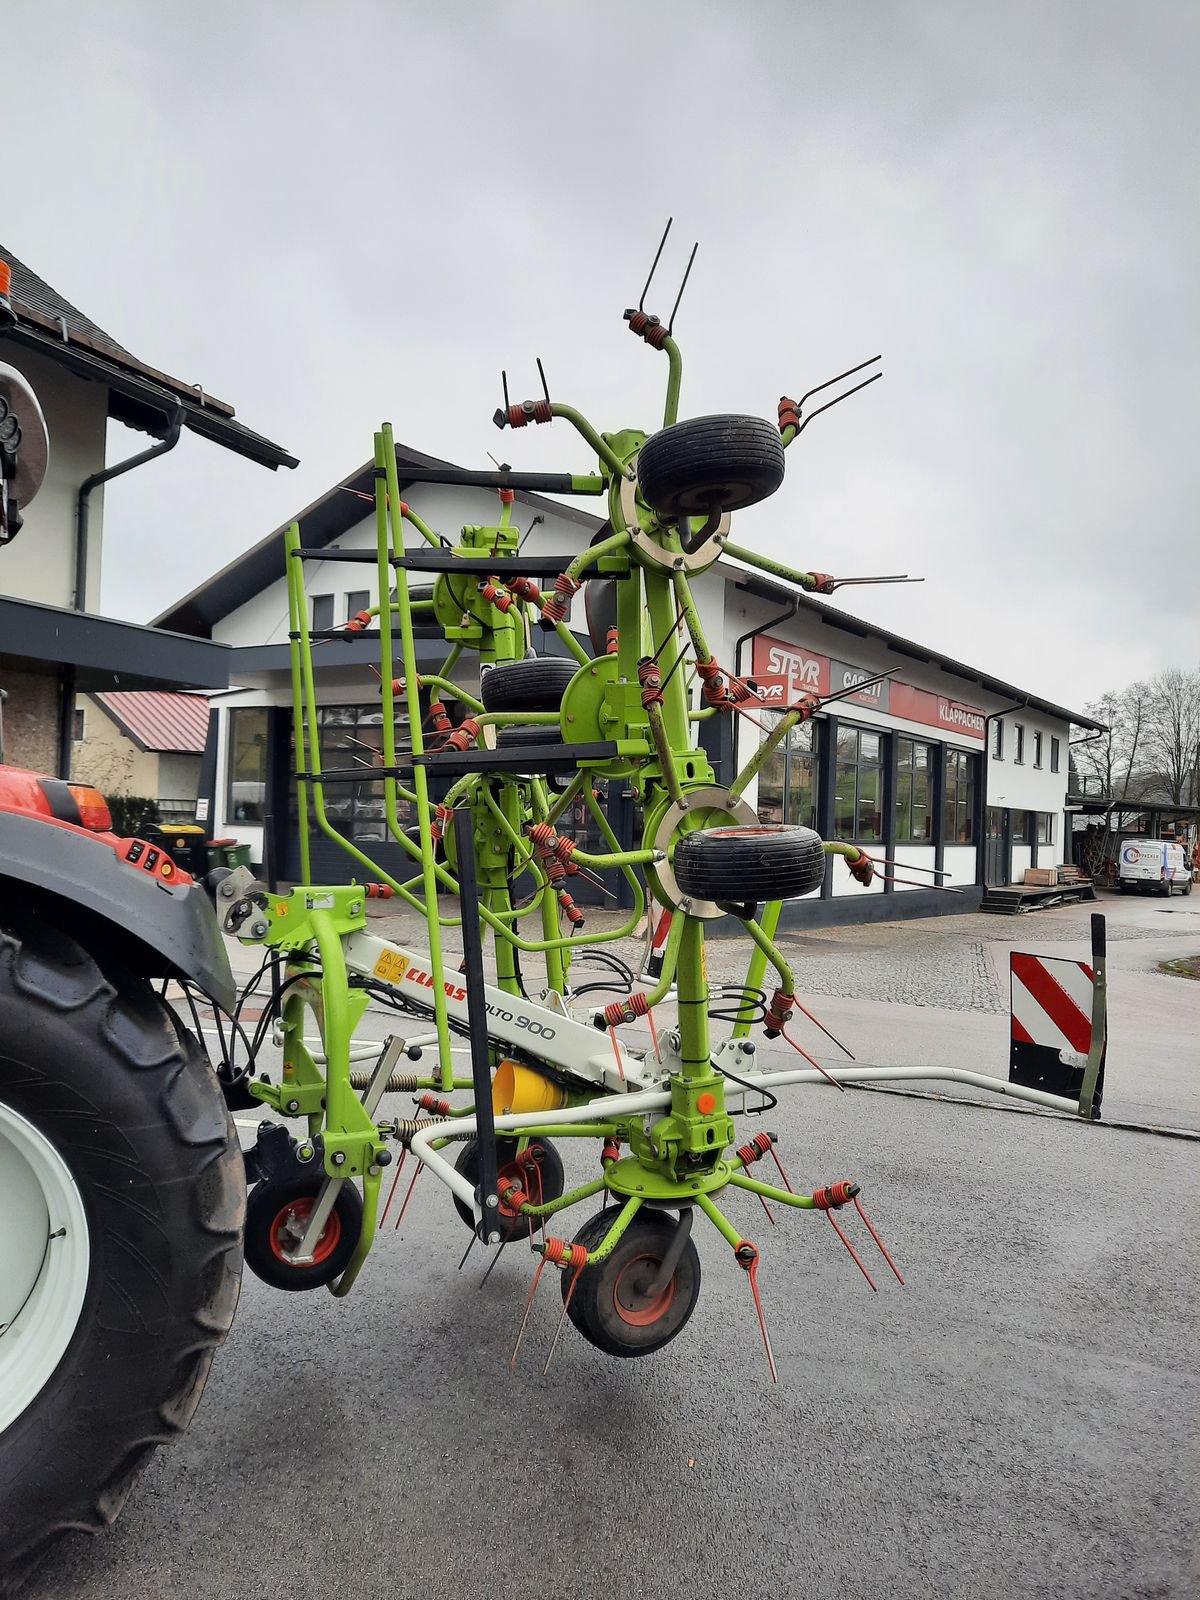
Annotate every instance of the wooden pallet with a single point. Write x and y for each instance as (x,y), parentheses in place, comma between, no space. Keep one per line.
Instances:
(1010,899)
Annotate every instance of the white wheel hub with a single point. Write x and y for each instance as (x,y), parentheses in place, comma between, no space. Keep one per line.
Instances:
(45,1255)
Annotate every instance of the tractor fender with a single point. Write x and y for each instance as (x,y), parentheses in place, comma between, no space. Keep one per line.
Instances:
(162,929)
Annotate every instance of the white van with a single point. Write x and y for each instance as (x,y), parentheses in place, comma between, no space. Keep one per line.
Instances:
(1153,866)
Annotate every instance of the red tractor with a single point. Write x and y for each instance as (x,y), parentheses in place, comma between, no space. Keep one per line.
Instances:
(122,1191)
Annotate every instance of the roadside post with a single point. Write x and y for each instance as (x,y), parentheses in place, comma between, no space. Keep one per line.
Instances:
(1092,1090)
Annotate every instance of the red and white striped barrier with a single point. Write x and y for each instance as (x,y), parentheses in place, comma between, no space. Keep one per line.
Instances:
(1051,1022)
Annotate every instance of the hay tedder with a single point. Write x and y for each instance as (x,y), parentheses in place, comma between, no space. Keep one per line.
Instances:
(121,1202)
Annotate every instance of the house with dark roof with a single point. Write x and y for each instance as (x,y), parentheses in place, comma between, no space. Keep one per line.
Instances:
(957,776)
(146,742)
(53,645)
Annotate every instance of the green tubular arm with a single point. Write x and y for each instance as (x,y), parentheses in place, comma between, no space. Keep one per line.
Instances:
(765,751)
(674,379)
(849,852)
(771,953)
(768,1191)
(757,968)
(366,1238)
(627,872)
(691,617)
(387,449)
(719,1221)
(584,428)
(572,644)
(409,515)
(448,686)
(291,544)
(617,1232)
(517,719)
(595,552)
(803,580)
(585,1190)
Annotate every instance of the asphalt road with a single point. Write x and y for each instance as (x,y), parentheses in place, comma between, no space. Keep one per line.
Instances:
(1020,1420)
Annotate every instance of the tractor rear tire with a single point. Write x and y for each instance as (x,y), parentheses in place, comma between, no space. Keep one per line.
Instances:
(771,862)
(534,685)
(710,464)
(123,1193)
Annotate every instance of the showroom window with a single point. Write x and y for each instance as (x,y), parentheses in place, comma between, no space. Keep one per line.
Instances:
(787,783)
(1045,827)
(350,735)
(858,786)
(914,799)
(958,798)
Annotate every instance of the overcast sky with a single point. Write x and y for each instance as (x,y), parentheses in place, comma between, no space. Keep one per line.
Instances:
(330,215)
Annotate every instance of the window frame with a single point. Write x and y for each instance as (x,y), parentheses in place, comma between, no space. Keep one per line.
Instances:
(959,793)
(1055,754)
(997,752)
(321,599)
(1047,818)
(231,820)
(352,596)
(906,777)
(78,724)
(879,766)
(1019,743)
(1038,742)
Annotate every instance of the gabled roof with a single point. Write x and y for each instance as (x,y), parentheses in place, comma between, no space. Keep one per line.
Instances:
(139,395)
(336,512)
(159,720)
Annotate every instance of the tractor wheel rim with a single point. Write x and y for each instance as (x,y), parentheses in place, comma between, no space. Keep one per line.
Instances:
(45,1262)
(629,1299)
(287,1230)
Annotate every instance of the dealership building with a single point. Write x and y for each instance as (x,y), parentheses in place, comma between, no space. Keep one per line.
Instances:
(958,777)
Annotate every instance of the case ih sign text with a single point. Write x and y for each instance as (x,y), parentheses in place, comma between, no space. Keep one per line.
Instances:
(782,671)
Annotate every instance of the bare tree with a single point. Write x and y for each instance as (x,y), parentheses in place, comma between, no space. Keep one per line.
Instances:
(1114,758)
(1173,735)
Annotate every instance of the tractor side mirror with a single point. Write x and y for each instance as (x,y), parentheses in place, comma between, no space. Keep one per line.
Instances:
(24,449)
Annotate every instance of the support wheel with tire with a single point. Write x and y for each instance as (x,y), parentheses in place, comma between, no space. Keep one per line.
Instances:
(121,1204)
(773,861)
(618,1305)
(539,1171)
(277,1215)
(534,685)
(708,465)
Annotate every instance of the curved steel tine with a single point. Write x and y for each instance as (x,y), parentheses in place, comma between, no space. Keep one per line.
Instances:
(849,373)
(654,265)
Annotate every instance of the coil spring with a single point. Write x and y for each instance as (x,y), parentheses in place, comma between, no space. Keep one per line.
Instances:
(379,891)
(789,413)
(464,735)
(398,1083)
(525,589)
(434,1103)
(834,1195)
(647,327)
(756,1149)
(560,1253)
(405,1129)
(529,411)
(628,1010)
(565,589)
(779,1011)
(651,681)
(496,596)
(440,717)
(442,816)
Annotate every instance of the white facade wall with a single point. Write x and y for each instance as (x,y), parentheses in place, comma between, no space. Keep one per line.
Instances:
(40,563)
(1022,786)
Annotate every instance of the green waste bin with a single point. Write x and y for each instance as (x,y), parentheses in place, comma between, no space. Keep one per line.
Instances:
(227,853)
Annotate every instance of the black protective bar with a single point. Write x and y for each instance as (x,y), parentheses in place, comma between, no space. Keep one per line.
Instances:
(488,566)
(481,1064)
(535,482)
(545,758)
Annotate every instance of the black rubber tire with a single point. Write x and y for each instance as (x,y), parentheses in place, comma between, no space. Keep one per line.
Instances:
(267,1199)
(534,685)
(551,1167)
(1187,888)
(709,464)
(592,1306)
(773,861)
(536,733)
(96,1060)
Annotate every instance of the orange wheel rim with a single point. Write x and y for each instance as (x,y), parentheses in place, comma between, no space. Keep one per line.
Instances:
(289,1225)
(630,1305)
